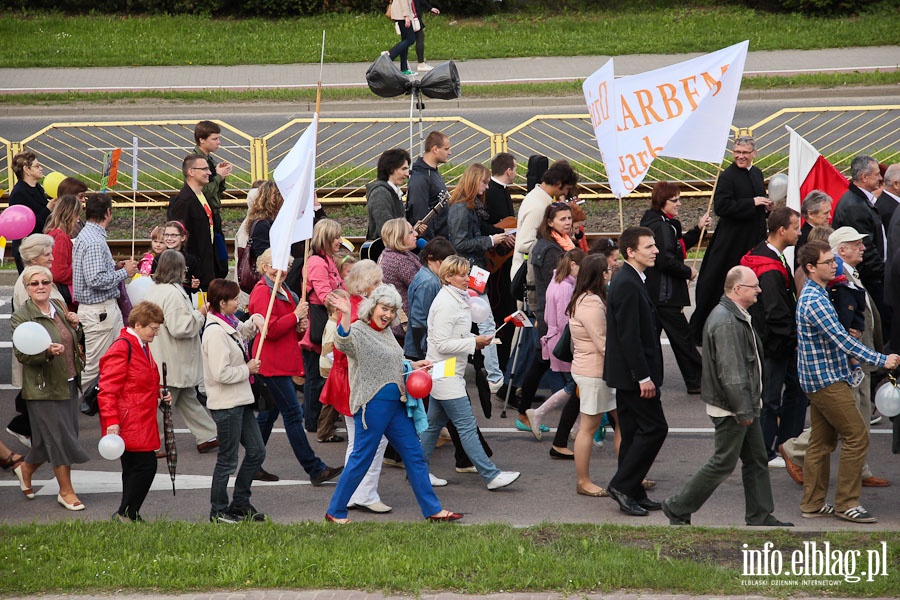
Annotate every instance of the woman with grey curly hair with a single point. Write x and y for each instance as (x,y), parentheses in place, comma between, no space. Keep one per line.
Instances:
(378,401)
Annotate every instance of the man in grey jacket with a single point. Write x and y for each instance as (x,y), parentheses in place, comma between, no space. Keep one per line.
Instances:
(732,390)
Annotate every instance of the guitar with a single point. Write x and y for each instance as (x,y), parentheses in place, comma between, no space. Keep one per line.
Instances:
(372,249)
(496,260)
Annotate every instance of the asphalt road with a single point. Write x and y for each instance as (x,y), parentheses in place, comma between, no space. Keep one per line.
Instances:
(545,491)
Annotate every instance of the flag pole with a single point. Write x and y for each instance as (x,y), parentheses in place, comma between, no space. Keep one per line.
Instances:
(279,274)
(708,209)
(621,215)
(318,106)
(265,329)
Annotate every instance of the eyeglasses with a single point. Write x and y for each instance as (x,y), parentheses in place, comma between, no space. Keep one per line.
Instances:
(830,261)
(154,328)
(42,282)
(754,286)
(743,152)
(675,199)
(172,235)
(201,169)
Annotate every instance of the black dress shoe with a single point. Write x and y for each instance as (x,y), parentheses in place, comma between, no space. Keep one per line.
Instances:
(554,453)
(673,518)
(626,503)
(771,522)
(648,504)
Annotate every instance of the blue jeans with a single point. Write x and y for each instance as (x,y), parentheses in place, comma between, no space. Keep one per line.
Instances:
(286,403)
(235,427)
(459,411)
(491,362)
(407,39)
(312,389)
(384,415)
(784,405)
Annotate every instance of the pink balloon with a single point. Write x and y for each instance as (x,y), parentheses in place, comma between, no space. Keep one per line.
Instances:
(16,222)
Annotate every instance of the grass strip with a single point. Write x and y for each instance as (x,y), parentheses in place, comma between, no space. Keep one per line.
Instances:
(825,81)
(165,556)
(55,40)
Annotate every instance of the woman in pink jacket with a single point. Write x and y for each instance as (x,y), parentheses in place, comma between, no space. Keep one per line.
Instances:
(587,322)
(322,278)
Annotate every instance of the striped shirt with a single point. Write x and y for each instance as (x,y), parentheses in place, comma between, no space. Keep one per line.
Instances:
(94,275)
(823,344)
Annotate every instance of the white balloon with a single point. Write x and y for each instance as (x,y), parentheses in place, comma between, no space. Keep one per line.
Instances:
(111,446)
(481,310)
(31,338)
(137,289)
(887,400)
(778,186)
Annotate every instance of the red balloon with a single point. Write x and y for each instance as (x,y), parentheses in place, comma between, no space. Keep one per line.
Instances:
(472,293)
(418,384)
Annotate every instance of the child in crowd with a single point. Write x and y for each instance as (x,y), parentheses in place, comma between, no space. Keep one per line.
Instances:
(157,247)
(345,262)
(175,237)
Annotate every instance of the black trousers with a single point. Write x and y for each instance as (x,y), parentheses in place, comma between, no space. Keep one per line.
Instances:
(566,421)
(644,429)
(138,471)
(672,320)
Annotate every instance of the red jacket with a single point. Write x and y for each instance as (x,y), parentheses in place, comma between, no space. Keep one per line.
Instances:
(281,353)
(129,393)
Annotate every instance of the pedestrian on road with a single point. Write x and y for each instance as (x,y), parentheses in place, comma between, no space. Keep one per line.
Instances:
(733,398)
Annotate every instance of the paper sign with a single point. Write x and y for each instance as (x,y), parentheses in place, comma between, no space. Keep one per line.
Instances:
(478,278)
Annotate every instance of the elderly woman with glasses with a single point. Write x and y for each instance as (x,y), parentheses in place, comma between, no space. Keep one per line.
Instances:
(50,384)
(128,400)
(378,401)
(36,249)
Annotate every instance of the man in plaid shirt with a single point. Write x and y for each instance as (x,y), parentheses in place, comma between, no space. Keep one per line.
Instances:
(824,369)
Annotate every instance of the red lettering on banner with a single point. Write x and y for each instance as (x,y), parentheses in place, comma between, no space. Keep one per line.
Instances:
(599,107)
(673,105)
(627,115)
(645,101)
(633,166)
(690,90)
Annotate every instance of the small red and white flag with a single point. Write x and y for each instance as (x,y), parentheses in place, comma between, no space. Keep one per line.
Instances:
(808,170)
(519,319)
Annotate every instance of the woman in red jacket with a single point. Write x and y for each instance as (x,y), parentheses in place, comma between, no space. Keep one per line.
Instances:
(128,399)
(280,360)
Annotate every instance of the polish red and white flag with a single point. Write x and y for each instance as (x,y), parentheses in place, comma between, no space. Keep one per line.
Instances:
(808,170)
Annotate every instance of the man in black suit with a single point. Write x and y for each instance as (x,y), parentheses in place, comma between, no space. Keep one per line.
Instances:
(633,366)
(498,204)
(191,208)
(856,209)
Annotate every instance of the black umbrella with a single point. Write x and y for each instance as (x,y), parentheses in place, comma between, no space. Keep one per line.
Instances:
(169,431)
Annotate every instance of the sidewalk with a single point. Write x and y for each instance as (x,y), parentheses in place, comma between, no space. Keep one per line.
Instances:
(507,70)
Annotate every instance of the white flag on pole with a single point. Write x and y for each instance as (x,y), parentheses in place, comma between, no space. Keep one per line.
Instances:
(295,177)
(680,111)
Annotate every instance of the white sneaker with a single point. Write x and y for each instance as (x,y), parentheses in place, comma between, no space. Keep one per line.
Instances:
(436,481)
(424,67)
(503,479)
(471,469)
(777,463)
(495,386)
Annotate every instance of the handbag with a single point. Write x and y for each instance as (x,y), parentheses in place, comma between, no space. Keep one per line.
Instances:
(247,273)
(262,395)
(124,302)
(336,391)
(563,348)
(318,317)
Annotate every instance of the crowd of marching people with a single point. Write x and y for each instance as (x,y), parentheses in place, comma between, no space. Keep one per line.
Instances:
(380,346)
